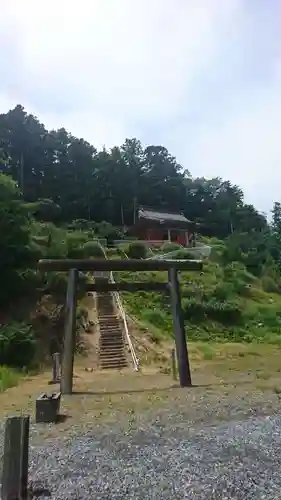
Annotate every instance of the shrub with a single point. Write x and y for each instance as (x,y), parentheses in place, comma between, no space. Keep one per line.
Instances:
(112,252)
(81,224)
(242,288)
(93,249)
(157,318)
(170,247)
(17,344)
(15,251)
(106,230)
(137,250)
(225,312)
(184,254)
(75,241)
(76,253)
(223,291)
(123,250)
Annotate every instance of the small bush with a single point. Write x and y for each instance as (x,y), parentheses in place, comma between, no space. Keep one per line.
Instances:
(17,345)
(224,312)
(80,224)
(93,249)
(106,230)
(75,242)
(76,253)
(123,250)
(57,249)
(242,288)
(170,247)
(223,291)
(157,318)
(112,252)
(184,254)
(137,250)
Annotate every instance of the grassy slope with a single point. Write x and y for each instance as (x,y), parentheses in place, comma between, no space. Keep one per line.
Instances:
(217,306)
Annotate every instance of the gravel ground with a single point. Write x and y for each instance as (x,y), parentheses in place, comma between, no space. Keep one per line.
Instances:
(237,460)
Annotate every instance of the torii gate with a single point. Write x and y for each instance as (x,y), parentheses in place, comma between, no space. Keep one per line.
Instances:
(73,266)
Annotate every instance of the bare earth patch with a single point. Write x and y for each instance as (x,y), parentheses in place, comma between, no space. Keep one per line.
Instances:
(228,380)
(134,435)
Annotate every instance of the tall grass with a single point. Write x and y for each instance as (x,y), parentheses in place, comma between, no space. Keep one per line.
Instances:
(8,378)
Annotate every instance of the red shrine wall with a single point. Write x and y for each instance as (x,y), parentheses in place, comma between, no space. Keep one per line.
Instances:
(162,235)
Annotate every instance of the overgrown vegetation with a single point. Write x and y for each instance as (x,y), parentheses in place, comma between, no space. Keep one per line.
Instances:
(31,302)
(8,378)
(225,302)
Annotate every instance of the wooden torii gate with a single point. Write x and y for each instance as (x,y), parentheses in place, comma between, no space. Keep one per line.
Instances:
(73,266)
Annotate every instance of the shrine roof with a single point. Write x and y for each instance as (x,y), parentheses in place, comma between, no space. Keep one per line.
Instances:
(162,216)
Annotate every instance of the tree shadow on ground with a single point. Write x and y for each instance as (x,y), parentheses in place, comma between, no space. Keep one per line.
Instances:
(157,389)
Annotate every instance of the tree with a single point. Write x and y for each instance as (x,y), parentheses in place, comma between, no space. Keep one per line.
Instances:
(108,185)
(15,237)
(276,218)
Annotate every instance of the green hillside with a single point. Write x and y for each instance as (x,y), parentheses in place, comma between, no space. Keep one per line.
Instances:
(222,303)
(60,194)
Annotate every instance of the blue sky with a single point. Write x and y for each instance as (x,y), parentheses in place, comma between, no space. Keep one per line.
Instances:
(202,77)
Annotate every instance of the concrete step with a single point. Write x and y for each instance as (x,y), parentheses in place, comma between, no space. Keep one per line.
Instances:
(107,337)
(111,348)
(106,315)
(111,345)
(110,331)
(110,328)
(110,325)
(108,355)
(111,364)
(116,351)
(111,341)
(110,317)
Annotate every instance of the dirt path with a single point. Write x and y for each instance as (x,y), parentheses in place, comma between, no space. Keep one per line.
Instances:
(238,380)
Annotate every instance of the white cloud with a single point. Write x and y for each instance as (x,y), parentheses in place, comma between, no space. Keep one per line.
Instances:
(199,76)
(246,147)
(129,61)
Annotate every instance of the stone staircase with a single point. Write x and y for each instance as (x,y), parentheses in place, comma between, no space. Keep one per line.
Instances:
(112,353)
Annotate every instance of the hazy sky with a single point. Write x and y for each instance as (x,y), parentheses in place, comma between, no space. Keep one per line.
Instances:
(201,77)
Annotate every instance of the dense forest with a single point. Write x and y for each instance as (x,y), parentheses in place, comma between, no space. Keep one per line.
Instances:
(72,180)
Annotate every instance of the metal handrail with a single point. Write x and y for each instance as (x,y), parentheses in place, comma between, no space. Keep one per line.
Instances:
(123,315)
